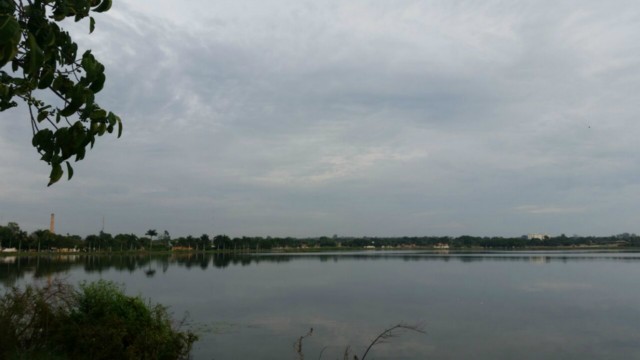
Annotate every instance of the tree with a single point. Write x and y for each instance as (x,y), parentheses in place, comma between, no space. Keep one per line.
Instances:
(127,241)
(165,238)
(151,233)
(204,242)
(222,242)
(39,60)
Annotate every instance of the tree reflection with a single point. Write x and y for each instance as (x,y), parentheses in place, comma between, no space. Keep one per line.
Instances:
(15,268)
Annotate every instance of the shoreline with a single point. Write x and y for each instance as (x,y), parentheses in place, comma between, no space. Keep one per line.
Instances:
(326,250)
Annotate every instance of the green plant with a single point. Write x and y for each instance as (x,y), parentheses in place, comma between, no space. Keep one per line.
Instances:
(96,321)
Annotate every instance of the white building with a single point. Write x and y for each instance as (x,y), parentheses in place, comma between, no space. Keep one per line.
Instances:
(537,236)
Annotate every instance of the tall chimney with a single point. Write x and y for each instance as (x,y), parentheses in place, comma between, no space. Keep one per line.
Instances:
(52,226)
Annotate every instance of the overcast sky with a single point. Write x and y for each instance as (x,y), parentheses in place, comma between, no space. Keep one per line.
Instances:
(357,118)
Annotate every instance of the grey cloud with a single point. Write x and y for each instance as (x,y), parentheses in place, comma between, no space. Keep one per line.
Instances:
(356,118)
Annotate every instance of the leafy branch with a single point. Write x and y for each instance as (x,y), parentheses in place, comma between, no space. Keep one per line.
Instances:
(37,56)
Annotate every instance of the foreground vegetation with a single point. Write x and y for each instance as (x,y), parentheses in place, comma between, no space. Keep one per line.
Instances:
(95,321)
(17,240)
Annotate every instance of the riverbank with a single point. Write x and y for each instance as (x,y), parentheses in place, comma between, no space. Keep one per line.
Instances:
(325,250)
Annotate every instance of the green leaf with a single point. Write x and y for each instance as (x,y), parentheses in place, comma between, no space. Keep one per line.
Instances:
(119,127)
(35,55)
(42,115)
(9,27)
(56,174)
(92,24)
(112,118)
(77,100)
(9,38)
(105,5)
(45,79)
(80,153)
(98,114)
(71,108)
(69,170)
(97,85)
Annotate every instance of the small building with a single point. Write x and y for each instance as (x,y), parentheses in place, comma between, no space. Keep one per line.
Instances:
(181,248)
(65,250)
(537,236)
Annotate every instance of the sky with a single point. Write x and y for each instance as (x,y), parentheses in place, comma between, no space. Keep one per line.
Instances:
(350,117)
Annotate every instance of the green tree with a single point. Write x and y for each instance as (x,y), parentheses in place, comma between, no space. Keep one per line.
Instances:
(92,242)
(39,60)
(222,242)
(165,238)
(151,233)
(127,241)
(204,242)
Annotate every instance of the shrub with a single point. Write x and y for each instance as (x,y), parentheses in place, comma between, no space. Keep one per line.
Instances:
(96,321)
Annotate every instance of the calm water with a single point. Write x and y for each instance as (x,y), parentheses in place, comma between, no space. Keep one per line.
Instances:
(498,305)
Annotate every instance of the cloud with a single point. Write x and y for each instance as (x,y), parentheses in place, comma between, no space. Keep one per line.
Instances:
(542,210)
(302,118)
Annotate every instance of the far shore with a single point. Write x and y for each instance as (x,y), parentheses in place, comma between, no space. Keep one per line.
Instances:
(291,250)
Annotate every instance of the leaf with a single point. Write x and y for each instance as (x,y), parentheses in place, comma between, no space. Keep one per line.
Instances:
(98,114)
(36,56)
(97,85)
(59,15)
(105,5)
(71,108)
(9,38)
(77,100)
(9,29)
(80,153)
(119,127)
(42,115)
(112,118)
(56,174)
(69,170)
(92,24)
(46,79)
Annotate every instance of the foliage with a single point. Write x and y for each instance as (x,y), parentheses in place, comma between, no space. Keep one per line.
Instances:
(96,321)
(39,60)
(12,236)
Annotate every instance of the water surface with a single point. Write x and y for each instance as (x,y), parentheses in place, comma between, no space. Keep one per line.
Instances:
(490,305)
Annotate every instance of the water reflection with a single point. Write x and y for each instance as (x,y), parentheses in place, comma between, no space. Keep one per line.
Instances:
(476,305)
(14,268)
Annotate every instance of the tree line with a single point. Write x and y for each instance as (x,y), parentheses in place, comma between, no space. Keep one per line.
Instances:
(13,237)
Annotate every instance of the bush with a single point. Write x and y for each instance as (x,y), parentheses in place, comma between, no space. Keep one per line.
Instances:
(96,321)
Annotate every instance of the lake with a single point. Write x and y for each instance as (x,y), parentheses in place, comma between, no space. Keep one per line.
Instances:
(477,305)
